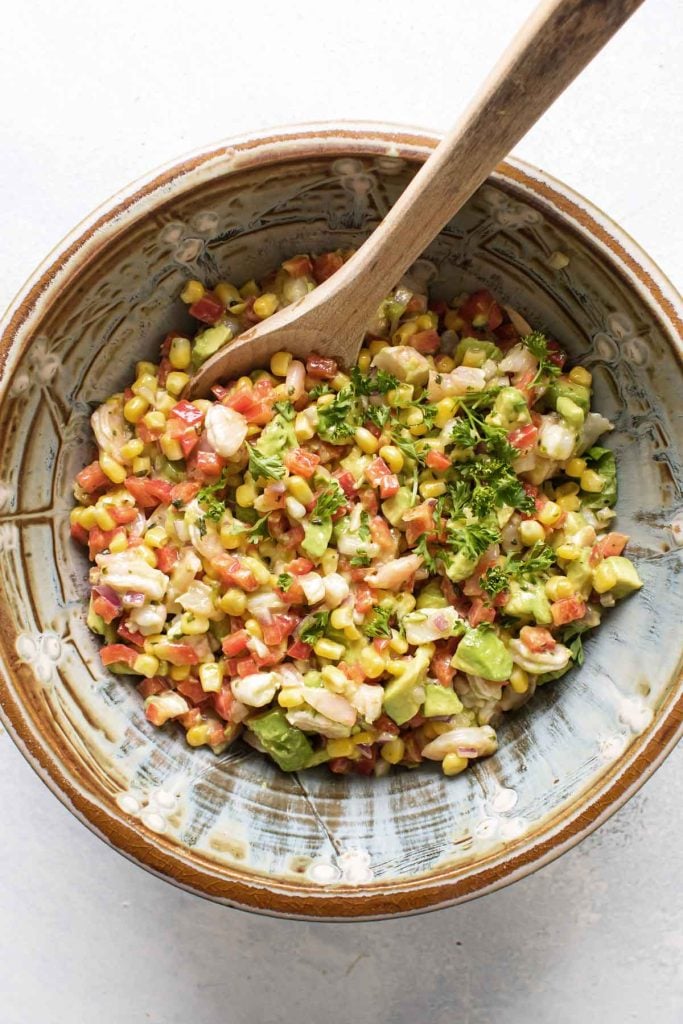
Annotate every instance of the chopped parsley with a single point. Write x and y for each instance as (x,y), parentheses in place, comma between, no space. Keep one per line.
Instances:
(364,528)
(537,344)
(314,628)
(212,506)
(284,581)
(531,567)
(268,466)
(337,421)
(329,502)
(360,561)
(286,410)
(471,540)
(378,623)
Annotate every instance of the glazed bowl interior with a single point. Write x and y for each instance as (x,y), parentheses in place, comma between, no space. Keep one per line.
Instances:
(233,827)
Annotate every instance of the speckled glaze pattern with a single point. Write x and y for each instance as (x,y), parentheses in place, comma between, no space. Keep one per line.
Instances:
(233,827)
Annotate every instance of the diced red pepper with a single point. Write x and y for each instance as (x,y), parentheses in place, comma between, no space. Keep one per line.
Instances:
(180,654)
(246,666)
(299,651)
(348,484)
(167,558)
(123,514)
(537,639)
(326,265)
(376,471)
(298,266)
(428,342)
(524,437)
(232,573)
(207,465)
(79,533)
(106,605)
(420,521)
(223,702)
(567,609)
(208,309)
(187,412)
(92,478)
(118,654)
(126,633)
(99,540)
(148,493)
(192,689)
(301,462)
(438,461)
(321,368)
(482,310)
(235,643)
(148,687)
(388,486)
(184,492)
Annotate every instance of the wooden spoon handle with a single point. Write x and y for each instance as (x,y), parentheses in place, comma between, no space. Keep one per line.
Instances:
(553,46)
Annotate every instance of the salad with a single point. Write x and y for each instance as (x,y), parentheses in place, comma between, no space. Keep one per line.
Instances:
(359,568)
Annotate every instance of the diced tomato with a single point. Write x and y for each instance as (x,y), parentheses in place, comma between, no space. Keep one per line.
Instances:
(187,412)
(326,265)
(241,399)
(438,461)
(480,612)
(441,666)
(420,521)
(92,478)
(123,514)
(364,599)
(190,718)
(147,435)
(208,465)
(254,405)
(279,629)
(339,765)
(300,566)
(523,384)
(106,603)
(165,347)
(412,753)
(99,540)
(568,609)
(381,534)
(165,367)
(292,595)
(301,462)
(235,643)
(524,437)
(223,701)
(180,654)
(293,537)
(148,687)
(611,544)
(365,765)
(388,486)
(273,656)
(79,533)
(369,501)
(298,266)
(148,493)
(192,689)
(376,471)
(118,654)
(385,724)
(208,309)
(417,304)
(380,643)
(246,666)
(482,310)
(299,651)
(428,342)
(232,573)
(126,633)
(348,484)
(184,492)
(321,368)
(537,639)
(166,558)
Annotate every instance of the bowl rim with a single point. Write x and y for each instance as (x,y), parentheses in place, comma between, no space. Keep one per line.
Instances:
(553,835)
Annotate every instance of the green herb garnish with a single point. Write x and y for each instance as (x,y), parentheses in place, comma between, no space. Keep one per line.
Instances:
(268,466)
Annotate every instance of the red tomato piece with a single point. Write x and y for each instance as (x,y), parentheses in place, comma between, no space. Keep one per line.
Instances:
(99,540)
(388,486)
(192,689)
(184,492)
(348,484)
(482,310)
(326,265)
(118,654)
(148,493)
(190,718)
(368,500)
(232,573)
(235,643)
(299,651)
(376,471)
(279,629)
(364,599)
(480,612)
(611,544)
(148,687)
(537,639)
(106,603)
(123,514)
(208,465)
(438,461)
(300,566)
(301,463)
(92,478)
(568,609)
(385,724)
(381,534)
(524,437)
(246,666)
(420,521)
(126,633)
(428,342)
(79,533)
(223,701)
(298,266)
(180,654)
(321,368)
(166,558)
(208,309)
(187,412)
(441,666)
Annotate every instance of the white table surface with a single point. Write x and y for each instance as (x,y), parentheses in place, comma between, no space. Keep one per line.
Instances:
(95,95)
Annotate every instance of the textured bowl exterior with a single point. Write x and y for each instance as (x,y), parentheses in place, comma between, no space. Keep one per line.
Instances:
(232,827)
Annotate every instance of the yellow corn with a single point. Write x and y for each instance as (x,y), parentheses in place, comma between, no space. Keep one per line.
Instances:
(88,517)
(376,345)
(193,625)
(558,587)
(393,750)
(530,532)
(340,748)
(119,542)
(180,353)
(371,662)
(398,644)
(576,468)
(230,540)
(192,292)
(233,602)
(289,698)
(280,363)
(352,632)
(324,401)
(393,457)
(366,441)
(453,321)
(325,648)
(568,552)
(405,331)
(260,572)
(549,514)
(444,412)
(245,495)
(147,665)
(226,293)
(197,735)
(104,519)
(569,503)
(453,764)
(155,420)
(366,736)
(302,428)
(211,676)
(604,578)
(565,490)
(592,481)
(364,360)
(179,672)
(141,465)
(249,289)
(433,488)
(299,489)
(145,387)
(165,402)
(580,375)
(329,562)
(112,469)
(176,381)
(131,449)
(335,678)
(156,537)
(426,321)
(145,369)
(474,357)
(171,448)
(265,305)
(414,418)
(519,680)
(444,364)
(254,628)
(341,618)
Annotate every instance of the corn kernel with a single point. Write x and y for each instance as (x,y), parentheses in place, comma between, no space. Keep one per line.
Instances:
(176,382)
(165,402)
(426,321)
(364,360)
(414,418)
(112,469)
(592,482)
(340,748)
(335,678)
(197,735)
(580,375)
(193,625)
(249,289)
(339,381)
(324,401)
(156,537)
(192,292)
(155,421)
(147,665)
(104,519)
(519,680)
(352,632)
(245,495)
(146,369)
(341,618)
(558,587)
(290,698)
(393,457)
(444,364)
(398,644)
(604,578)
(230,540)
(366,736)
(569,503)
(171,448)
(453,321)
(549,514)
(566,490)
(302,428)
(265,305)
(433,488)
(259,571)
(233,601)
(329,562)
(530,532)
(568,552)
(474,357)
(145,387)
(179,672)
(211,676)
(299,489)
(393,750)
(444,412)
(131,449)
(180,353)
(253,627)
(453,764)
(142,465)
(280,363)
(119,542)
(325,648)
(376,345)
(226,293)
(88,517)
(366,441)
(404,332)
(576,468)
(372,663)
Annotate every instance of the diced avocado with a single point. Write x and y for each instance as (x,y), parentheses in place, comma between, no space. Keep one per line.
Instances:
(580,574)
(277,436)
(460,567)
(404,695)
(572,414)
(602,460)
(174,471)
(431,596)
(528,601)
(393,508)
(288,747)
(355,463)
(509,410)
(484,349)
(95,622)
(563,388)
(628,579)
(316,538)
(402,396)
(439,700)
(209,341)
(482,653)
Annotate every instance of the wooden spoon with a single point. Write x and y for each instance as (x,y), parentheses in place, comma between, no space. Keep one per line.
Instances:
(556,43)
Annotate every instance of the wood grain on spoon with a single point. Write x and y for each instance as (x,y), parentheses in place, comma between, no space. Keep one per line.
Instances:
(555,44)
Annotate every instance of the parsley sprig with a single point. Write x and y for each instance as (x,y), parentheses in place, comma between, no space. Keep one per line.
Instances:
(314,627)
(537,344)
(378,623)
(268,466)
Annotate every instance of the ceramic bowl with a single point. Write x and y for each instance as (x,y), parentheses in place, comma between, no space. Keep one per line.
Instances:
(232,827)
